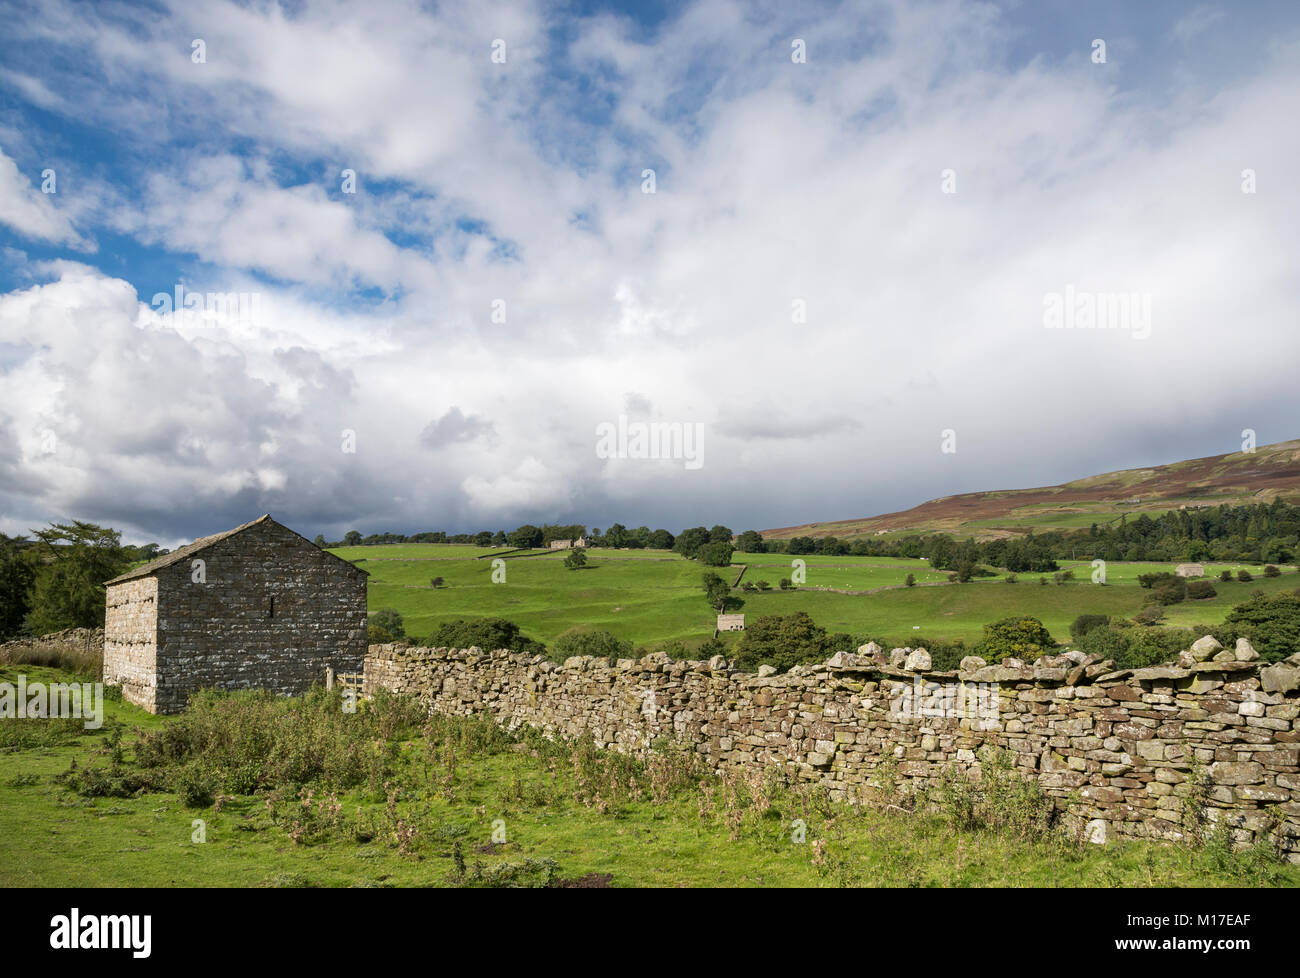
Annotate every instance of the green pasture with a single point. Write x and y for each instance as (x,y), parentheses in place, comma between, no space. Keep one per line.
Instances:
(654,596)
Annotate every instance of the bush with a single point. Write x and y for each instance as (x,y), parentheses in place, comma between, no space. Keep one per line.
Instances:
(782,641)
(1011,578)
(786,584)
(1157,578)
(1150,615)
(1200,590)
(1271,623)
(575,558)
(385,625)
(485,633)
(1244,576)
(1225,576)
(1020,637)
(598,643)
(241,742)
(910,580)
(1082,625)
(1170,592)
(1272,570)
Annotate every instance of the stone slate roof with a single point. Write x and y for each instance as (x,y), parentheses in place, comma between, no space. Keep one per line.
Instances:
(202,543)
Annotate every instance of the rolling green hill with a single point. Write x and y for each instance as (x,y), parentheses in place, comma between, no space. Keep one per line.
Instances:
(1270,472)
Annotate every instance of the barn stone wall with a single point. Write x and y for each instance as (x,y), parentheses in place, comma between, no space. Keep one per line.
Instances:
(1123,753)
(265,609)
(130,640)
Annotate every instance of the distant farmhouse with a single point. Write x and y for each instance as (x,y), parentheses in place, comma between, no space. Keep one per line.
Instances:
(566,544)
(256,606)
(1190,570)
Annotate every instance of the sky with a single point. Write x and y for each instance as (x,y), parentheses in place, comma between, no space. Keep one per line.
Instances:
(441,251)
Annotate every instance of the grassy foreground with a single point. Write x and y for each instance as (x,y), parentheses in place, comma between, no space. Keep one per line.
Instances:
(388,797)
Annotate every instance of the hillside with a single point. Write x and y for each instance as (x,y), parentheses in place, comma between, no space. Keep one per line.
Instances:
(1271,472)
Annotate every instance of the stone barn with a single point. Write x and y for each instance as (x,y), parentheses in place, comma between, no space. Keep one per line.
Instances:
(256,606)
(1190,570)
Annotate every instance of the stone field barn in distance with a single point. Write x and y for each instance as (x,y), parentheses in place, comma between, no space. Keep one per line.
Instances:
(256,606)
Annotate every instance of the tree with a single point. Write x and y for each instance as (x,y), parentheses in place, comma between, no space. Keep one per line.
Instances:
(16,578)
(661,540)
(689,541)
(352,538)
(320,540)
(526,537)
(750,542)
(75,559)
(716,590)
(910,580)
(715,554)
(719,534)
(617,536)
(575,558)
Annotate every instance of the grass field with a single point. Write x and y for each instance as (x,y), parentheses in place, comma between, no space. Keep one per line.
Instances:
(568,813)
(654,596)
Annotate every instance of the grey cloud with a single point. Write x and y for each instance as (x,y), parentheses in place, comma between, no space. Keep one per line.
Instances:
(453,427)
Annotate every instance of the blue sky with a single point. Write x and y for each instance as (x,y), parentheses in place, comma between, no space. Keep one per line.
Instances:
(486,188)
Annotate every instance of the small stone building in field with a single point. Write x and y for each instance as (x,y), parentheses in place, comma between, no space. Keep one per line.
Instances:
(731,623)
(254,607)
(1190,570)
(566,544)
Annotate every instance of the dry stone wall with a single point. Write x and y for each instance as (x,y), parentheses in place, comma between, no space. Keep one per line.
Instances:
(1122,753)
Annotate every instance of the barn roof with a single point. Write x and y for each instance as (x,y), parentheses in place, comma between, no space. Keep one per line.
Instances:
(202,543)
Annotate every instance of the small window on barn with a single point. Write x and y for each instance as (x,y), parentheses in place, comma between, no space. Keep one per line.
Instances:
(270,613)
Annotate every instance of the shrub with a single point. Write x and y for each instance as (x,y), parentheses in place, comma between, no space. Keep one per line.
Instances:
(385,625)
(1272,624)
(782,641)
(1244,576)
(1272,570)
(1157,577)
(1200,590)
(1149,615)
(1020,637)
(786,584)
(910,580)
(1082,625)
(241,742)
(575,558)
(601,643)
(1170,592)
(1011,578)
(437,582)
(1225,575)
(486,633)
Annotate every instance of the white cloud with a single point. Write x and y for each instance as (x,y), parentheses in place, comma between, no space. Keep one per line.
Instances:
(25,208)
(817,183)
